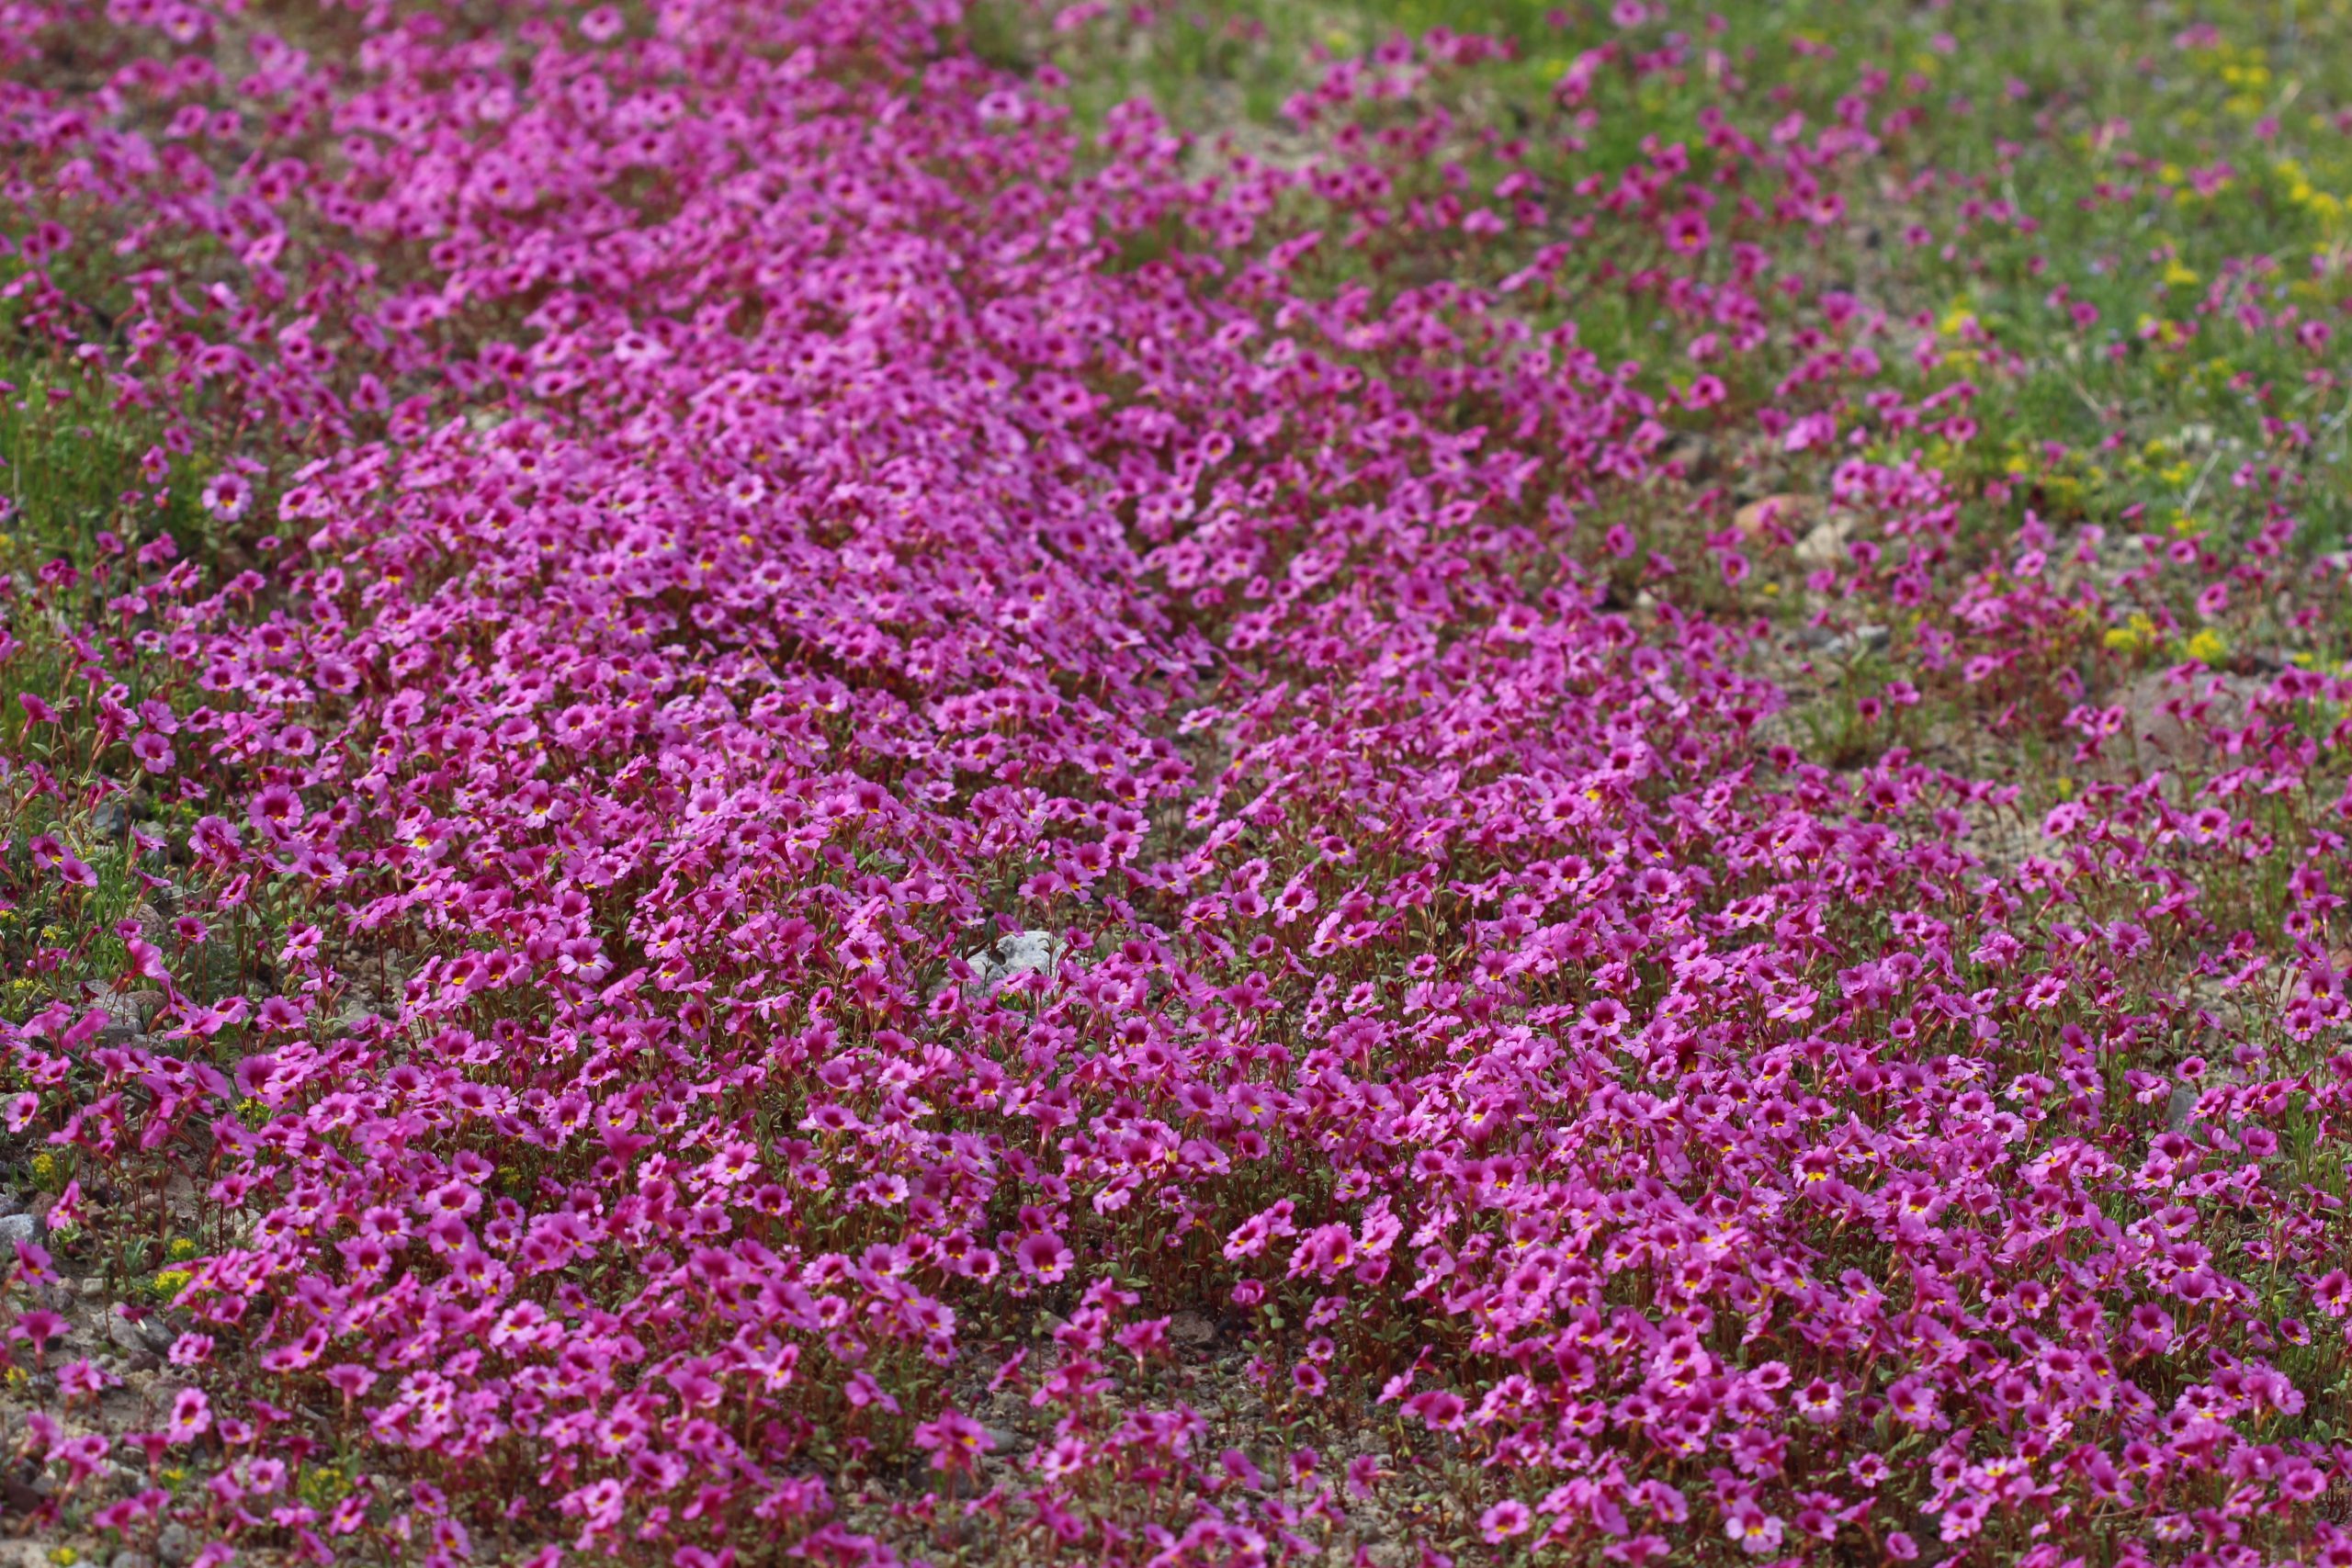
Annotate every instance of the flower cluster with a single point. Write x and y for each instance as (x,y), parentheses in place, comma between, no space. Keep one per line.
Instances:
(826,721)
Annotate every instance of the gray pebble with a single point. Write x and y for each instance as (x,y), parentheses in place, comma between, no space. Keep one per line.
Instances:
(1190,1331)
(1825,544)
(1861,639)
(124,1336)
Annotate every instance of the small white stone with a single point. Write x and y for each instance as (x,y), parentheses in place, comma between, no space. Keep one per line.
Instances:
(1825,543)
(1021,953)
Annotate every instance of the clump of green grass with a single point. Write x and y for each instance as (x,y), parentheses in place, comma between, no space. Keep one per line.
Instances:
(81,498)
(2076,210)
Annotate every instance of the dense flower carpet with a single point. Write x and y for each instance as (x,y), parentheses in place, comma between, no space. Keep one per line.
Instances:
(789,805)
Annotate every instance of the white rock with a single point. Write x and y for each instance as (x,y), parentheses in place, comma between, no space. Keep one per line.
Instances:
(1825,543)
(1021,952)
(1860,641)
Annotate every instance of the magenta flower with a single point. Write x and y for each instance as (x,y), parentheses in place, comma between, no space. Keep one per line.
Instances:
(1042,1257)
(227,496)
(1687,232)
(862,687)
(954,1440)
(190,1418)
(1503,1520)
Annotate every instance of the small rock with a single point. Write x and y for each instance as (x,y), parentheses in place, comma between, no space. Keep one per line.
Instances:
(1860,641)
(1021,952)
(1811,638)
(1759,519)
(131,1560)
(1190,1331)
(124,1336)
(111,821)
(2162,734)
(1825,544)
(128,1013)
(176,1546)
(16,1228)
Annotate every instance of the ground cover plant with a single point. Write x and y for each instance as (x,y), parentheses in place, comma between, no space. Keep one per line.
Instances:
(878,783)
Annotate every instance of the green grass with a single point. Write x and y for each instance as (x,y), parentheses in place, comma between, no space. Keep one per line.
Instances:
(2022,104)
(77,507)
